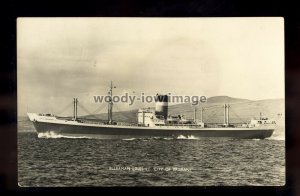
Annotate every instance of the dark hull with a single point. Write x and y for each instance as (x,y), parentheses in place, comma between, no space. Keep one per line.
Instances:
(115,132)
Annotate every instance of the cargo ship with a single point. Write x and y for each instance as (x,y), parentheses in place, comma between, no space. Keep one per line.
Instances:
(151,122)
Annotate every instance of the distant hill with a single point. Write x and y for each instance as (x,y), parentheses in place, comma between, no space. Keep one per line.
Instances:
(240,111)
(224,99)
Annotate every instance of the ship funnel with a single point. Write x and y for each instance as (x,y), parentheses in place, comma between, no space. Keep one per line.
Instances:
(161,107)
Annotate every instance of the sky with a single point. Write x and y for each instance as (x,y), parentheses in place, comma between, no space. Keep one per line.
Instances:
(62,58)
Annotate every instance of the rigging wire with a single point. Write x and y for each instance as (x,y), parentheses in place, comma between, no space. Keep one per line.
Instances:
(185,111)
(99,109)
(64,109)
(233,112)
(85,110)
(213,115)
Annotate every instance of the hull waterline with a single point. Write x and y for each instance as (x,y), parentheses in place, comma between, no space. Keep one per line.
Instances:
(125,132)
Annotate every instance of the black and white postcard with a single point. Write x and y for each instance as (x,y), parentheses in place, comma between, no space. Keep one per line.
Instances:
(151,102)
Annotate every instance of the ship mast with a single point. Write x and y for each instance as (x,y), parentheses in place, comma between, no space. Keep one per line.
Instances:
(110,103)
(226,114)
(75,101)
(259,115)
(195,110)
(201,114)
(225,111)
(195,114)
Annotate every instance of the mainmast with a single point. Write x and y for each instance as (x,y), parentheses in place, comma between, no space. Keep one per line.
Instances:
(110,103)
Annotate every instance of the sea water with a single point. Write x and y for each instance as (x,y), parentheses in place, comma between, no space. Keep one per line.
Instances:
(55,160)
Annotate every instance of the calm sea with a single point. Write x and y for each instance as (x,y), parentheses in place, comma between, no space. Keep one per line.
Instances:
(60,161)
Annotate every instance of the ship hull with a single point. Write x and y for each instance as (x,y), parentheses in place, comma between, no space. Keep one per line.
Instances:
(126,132)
